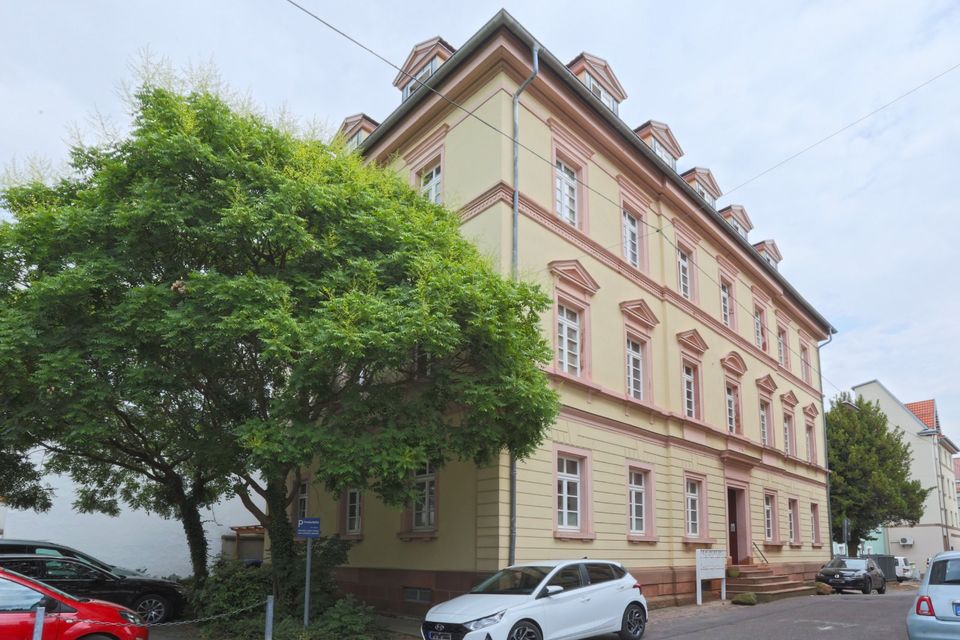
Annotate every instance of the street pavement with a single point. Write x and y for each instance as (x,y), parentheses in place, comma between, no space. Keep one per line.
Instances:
(847,616)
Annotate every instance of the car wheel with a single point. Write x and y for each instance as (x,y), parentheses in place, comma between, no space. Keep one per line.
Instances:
(152,608)
(525,630)
(899,579)
(882,589)
(634,623)
(867,587)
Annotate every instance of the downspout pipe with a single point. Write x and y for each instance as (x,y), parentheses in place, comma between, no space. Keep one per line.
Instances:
(826,444)
(515,274)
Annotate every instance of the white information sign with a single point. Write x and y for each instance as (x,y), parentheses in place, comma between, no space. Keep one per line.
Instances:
(711,565)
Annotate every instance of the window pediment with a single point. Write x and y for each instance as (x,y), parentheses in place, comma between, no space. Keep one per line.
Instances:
(692,340)
(811,410)
(733,363)
(789,399)
(640,312)
(574,274)
(601,71)
(767,384)
(420,54)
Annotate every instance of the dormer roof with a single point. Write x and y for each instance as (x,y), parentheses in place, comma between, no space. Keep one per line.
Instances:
(357,122)
(769,248)
(601,72)
(704,177)
(662,133)
(420,54)
(926,410)
(738,213)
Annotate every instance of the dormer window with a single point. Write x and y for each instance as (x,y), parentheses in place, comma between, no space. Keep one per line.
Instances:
(420,77)
(665,155)
(706,195)
(770,260)
(355,140)
(736,227)
(597,89)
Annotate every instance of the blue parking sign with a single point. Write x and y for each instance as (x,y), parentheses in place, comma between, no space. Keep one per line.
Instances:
(308,528)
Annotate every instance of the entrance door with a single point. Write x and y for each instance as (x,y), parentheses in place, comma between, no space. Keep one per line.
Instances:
(733,524)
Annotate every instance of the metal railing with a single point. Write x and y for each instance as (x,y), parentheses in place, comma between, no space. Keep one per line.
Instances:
(760,551)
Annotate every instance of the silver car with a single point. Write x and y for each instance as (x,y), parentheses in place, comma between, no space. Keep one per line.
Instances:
(936,612)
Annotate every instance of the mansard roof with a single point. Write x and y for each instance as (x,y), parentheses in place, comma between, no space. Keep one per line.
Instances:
(705,177)
(738,213)
(420,54)
(661,131)
(601,72)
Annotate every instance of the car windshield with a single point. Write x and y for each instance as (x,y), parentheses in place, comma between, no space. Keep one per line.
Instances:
(515,580)
(945,572)
(847,563)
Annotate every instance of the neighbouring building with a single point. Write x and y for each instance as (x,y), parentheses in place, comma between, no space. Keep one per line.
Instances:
(956,473)
(687,365)
(933,465)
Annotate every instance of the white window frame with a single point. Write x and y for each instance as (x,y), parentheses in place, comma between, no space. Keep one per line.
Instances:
(764,422)
(425,506)
(635,368)
(706,195)
(805,363)
(354,523)
(421,76)
(692,493)
(602,94)
(569,486)
(663,153)
(684,283)
(730,395)
(636,490)
(782,346)
(726,303)
(769,513)
(787,434)
(759,328)
(631,239)
(689,389)
(815,522)
(810,442)
(567,193)
(303,497)
(569,339)
(430,183)
(793,511)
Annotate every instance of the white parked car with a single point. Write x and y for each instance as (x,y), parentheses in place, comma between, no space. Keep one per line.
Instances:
(555,600)
(904,570)
(936,612)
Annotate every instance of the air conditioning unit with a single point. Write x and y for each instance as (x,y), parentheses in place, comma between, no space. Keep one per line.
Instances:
(906,541)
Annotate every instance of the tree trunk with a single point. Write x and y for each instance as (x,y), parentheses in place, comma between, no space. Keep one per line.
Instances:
(196,538)
(853,546)
(283,555)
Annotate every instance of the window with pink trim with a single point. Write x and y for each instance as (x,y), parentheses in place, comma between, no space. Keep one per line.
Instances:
(789,446)
(632,234)
(760,327)
(766,438)
(569,339)
(695,507)
(793,520)
(732,407)
(727,303)
(783,347)
(771,517)
(691,389)
(805,364)
(638,501)
(572,482)
(637,366)
(811,441)
(815,522)
(686,275)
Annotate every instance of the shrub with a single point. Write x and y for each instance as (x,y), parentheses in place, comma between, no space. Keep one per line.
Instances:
(748,598)
(733,572)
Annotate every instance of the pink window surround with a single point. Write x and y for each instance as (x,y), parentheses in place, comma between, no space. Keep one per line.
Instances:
(775,540)
(733,384)
(569,149)
(704,537)
(635,203)
(638,323)
(585,456)
(815,524)
(811,439)
(795,541)
(728,276)
(764,329)
(786,343)
(788,415)
(692,348)
(687,241)
(407,532)
(574,288)
(806,364)
(342,512)
(649,502)
(427,155)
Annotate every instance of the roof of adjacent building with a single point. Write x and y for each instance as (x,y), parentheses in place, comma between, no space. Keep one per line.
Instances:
(926,410)
(503,20)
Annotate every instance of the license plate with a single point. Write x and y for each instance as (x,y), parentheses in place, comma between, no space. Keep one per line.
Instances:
(838,581)
(440,635)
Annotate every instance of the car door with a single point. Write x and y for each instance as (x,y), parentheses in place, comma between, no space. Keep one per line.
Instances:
(18,615)
(563,615)
(76,578)
(876,575)
(604,593)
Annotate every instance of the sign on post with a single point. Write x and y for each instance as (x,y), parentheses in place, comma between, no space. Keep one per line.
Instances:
(308,528)
(711,564)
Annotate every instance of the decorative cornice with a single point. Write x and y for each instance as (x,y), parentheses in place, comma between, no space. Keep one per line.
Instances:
(811,410)
(693,341)
(631,192)
(760,295)
(767,384)
(639,311)
(733,363)
(573,273)
(569,139)
(685,232)
(426,146)
(727,266)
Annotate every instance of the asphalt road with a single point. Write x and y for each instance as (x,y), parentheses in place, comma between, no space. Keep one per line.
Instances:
(847,616)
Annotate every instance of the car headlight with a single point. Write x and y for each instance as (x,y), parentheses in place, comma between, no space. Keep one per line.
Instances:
(483,623)
(130,617)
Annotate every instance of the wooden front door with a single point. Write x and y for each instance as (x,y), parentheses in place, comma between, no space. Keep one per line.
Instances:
(733,526)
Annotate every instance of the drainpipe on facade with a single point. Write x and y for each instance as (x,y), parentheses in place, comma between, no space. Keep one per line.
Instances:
(515,274)
(826,445)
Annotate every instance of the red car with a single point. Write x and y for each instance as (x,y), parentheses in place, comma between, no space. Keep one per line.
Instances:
(67,618)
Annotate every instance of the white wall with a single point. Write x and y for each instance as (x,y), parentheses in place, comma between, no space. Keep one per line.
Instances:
(134,539)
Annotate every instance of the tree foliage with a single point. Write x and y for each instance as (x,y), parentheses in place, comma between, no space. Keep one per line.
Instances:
(217,299)
(870,471)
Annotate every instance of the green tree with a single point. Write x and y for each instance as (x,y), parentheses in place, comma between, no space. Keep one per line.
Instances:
(239,302)
(870,472)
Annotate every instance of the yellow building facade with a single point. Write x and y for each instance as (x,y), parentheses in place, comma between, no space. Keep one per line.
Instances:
(687,366)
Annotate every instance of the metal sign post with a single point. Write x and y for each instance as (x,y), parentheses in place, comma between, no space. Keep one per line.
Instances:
(38,623)
(308,528)
(711,564)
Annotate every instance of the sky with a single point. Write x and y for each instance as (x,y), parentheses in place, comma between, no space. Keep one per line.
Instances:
(868,222)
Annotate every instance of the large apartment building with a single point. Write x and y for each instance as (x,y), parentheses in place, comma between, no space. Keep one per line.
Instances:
(933,465)
(687,365)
